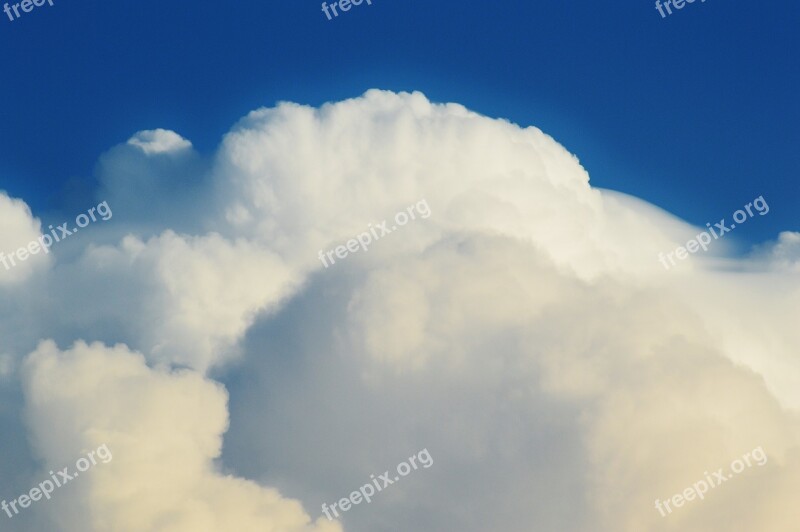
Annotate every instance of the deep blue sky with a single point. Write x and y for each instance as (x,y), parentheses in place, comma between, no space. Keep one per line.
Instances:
(697,112)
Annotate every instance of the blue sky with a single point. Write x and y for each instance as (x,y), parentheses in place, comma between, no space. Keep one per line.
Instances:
(696,112)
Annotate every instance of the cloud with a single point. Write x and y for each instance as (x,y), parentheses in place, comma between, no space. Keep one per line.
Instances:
(525,333)
(192,297)
(20,228)
(365,158)
(783,254)
(521,379)
(163,430)
(159,141)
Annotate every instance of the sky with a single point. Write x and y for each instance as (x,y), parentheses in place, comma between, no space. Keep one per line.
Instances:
(267,256)
(666,109)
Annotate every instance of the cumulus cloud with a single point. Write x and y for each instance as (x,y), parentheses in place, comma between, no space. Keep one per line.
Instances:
(363,158)
(163,431)
(784,253)
(525,333)
(20,228)
(154,182)
(192,297)
(159,141)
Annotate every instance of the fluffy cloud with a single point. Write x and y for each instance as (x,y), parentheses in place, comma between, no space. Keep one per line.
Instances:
(785,253)
(363,159)
(20,228)
(159,141)
(194,296)
(525,334)
(163,430)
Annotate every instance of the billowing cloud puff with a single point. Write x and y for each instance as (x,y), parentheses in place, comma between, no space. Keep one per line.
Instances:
(785,253)
(525,333)
(162,430)
(363,159)
(20,230)
(159,141)
(154,182)
(195,296)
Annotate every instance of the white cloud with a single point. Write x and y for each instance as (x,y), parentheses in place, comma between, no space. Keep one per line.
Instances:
(163,430)
(159,141)
(525,333)
(785,253)
(20,228)
(191,297)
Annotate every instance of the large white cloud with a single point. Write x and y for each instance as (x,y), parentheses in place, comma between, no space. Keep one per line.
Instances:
(163,431)
(525,333)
